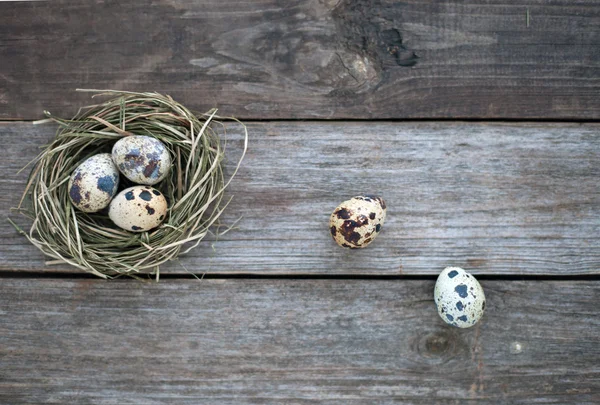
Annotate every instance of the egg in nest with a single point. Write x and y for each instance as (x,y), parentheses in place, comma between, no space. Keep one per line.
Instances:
(138,209)
(356,222)
(142,159)
(94,183)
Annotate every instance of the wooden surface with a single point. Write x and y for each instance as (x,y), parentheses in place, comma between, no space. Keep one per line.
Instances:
(293,342)
(520,199)
(268,59)
(285,316)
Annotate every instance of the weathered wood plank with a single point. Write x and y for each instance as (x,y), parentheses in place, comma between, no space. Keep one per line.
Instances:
(293,342)
(496,199)
(308,59)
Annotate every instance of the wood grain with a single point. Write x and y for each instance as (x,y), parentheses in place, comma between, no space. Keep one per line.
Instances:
(293,342)
(269,59)
(494,199)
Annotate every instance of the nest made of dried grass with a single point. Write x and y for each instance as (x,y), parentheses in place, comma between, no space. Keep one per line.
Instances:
(194,188)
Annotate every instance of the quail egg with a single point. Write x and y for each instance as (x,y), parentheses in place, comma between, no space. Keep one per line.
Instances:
(356,222)
(142,159)
(138,209)
(94,183)
(459,297)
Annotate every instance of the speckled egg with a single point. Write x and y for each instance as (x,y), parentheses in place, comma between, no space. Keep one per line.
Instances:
(355,223)
(138,209)
(94,183)
(459,297)
(142,159)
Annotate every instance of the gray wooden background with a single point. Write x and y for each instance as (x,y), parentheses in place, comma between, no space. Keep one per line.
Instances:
(477,121)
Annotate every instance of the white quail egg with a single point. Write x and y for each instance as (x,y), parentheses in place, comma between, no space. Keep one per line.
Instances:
(356,222)
(138,209)
(459,297)
(142,159)
(94,183)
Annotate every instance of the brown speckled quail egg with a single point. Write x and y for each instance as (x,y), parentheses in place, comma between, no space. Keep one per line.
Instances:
(459,297)
(138,209)
(356,222)
(94,183)
(142,159)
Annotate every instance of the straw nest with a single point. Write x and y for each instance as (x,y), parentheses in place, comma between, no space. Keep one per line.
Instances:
(194,187)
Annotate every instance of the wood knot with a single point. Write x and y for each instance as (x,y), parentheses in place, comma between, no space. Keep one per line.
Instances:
(438,344)
(441,346)
(370,28)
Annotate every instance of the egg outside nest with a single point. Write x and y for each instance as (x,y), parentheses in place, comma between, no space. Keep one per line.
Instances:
(459,297)
(355,223)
